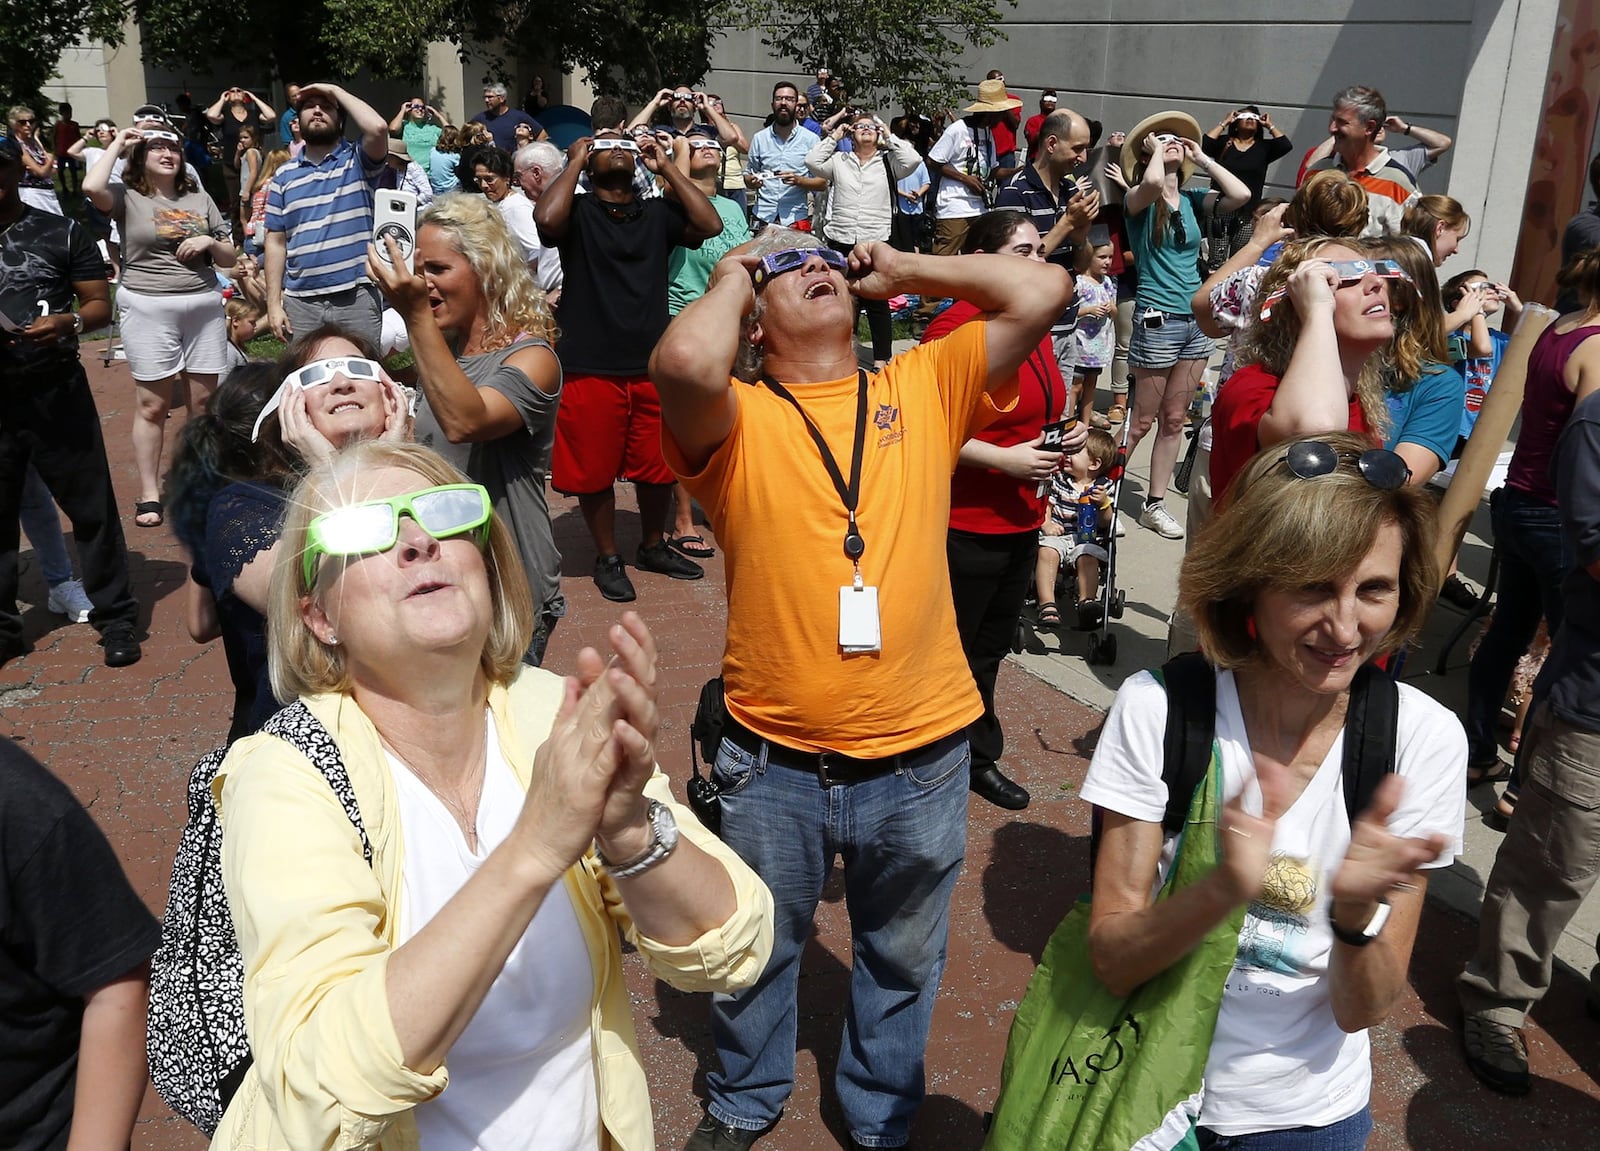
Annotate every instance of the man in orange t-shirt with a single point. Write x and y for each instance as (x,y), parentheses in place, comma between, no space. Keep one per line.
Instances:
(847,692)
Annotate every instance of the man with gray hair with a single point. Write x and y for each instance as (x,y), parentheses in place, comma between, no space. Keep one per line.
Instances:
(1358,124)
(535,166)
(502,120)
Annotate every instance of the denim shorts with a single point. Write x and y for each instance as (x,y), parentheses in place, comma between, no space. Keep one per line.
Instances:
(1177,338)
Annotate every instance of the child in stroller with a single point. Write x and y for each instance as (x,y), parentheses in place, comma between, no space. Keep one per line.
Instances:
(1077,530)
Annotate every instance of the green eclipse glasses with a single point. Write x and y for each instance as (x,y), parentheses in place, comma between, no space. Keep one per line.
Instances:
(373,526)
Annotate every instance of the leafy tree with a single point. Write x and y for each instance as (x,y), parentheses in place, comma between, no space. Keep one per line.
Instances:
(34,33)
(908,53)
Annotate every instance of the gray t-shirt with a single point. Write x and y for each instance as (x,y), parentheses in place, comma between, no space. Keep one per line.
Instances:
(1570,678)
(153,228)
(513,467)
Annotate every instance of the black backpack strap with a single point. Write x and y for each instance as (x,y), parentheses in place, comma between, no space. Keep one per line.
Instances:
(301,730)
(1191,685)
(1371,725)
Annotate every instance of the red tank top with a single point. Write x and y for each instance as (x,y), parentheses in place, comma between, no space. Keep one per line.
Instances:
(1546,404)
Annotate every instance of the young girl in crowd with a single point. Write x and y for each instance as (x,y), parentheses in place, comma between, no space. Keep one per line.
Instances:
(1096,334)
(255,226)
(1477,349)
(1086,473)
(1422,392)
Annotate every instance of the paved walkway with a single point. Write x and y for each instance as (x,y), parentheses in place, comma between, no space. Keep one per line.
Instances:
(125,740)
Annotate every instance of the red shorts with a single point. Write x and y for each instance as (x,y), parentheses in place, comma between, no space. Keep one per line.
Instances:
(607,428)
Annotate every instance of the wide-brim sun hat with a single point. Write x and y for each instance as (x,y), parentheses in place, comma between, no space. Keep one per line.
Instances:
(992,98)
(1172,123)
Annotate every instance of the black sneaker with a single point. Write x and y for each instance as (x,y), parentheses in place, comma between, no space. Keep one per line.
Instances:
(612,580)
(662,560)
(121,646)
(1090,613)
(714,1136)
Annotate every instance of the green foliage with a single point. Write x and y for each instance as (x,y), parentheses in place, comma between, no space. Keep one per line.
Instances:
(34,33)
(898,53)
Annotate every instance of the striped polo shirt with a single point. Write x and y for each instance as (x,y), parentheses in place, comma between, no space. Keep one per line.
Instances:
(1390,189)
(325,210)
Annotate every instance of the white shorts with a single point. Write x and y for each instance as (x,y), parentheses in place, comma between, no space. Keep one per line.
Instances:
(165,335)
(1070,550)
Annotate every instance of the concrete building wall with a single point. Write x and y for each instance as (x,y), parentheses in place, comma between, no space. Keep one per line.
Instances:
(1473,69)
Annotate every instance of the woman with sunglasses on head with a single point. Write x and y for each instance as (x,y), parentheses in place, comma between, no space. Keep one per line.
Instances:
(38,186)
(1246,144)
(482,335)
(1167,351)
(1310,363)
(1320,563)
(1424,394)
(518,829)
(420,125)
(170,310)
(997,505)
(862,185)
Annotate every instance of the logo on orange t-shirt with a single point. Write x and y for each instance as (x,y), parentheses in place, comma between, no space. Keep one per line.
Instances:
(884,420)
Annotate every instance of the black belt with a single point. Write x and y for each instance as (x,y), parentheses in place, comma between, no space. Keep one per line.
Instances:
(830,767)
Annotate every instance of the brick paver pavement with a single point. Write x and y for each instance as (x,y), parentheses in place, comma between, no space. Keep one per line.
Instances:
(125,740)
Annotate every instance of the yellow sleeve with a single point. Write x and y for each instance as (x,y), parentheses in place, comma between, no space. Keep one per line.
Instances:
(726,958)
(311,918)
(709,484)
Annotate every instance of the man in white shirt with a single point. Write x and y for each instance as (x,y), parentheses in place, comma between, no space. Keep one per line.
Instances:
(535,166)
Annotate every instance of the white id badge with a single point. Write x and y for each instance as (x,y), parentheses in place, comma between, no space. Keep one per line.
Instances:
(858,620)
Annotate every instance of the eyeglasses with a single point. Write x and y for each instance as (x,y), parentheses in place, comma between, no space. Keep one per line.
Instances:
(373,526)
(316,374)
(785,100)
(1349,272)
(790,259)
(613,144)
(1383,469)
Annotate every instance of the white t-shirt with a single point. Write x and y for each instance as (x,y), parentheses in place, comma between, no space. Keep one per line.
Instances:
(1278,1059)
(522,1073)
(964,152)
(543,262)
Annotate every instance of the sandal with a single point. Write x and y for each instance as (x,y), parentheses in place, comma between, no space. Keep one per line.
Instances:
(1116,413)
(1496,772)
(692,547)
(1096,420)
(1499,816)
(1049,616)
(148,508)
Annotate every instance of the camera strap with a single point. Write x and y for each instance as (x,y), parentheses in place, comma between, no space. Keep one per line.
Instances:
(850,494)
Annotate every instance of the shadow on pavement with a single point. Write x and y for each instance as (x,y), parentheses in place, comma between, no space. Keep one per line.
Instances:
(1035,873)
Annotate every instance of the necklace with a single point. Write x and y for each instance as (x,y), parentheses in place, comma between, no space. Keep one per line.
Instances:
(466,815)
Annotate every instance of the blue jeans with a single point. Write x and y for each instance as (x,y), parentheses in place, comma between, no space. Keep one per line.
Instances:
(903,836)
(1533,562)
(41,523)
(1346,1135)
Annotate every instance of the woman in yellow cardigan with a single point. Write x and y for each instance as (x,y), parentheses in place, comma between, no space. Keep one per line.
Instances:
(517,822)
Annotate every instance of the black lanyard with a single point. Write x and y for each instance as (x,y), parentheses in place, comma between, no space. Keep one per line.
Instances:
(850,494)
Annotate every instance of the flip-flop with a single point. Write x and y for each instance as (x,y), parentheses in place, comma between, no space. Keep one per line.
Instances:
(692,547)
(148,508)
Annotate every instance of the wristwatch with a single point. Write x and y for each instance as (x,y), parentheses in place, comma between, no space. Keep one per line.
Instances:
(1368,933)
(77,324)
(664,840)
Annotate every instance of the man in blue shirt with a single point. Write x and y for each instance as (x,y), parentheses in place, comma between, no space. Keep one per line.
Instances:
(502,120)
(776,168)
(319,220)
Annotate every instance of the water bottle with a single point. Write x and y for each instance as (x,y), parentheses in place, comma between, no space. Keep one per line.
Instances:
(1088,519)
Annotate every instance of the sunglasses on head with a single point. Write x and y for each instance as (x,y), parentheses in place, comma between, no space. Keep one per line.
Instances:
(1383,469)
(315,374)
(1349,272)
(373,526)
(613,144)
(790,259)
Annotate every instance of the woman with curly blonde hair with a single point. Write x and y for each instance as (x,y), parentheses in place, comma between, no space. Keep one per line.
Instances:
(481,333)
(1310,360)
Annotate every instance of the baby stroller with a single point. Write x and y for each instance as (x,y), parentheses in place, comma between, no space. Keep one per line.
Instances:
(1111,600)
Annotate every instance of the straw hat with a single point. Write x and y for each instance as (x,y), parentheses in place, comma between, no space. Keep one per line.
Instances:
(992,98)
(1162,123)
(398,148)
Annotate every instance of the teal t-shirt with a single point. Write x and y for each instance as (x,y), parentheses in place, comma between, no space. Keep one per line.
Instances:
(689,271)
(1169,272)
(420,139)
(1428,413)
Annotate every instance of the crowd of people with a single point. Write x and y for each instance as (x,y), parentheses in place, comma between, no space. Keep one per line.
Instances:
(428,909)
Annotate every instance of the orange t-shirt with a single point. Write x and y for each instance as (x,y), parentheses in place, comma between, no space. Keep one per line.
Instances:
(781,525)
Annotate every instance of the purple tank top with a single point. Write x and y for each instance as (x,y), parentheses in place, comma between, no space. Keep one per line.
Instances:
(1546,404)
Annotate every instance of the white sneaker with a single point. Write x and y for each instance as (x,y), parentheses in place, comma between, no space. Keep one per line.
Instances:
(67,598)
(1122,524)
(1159,520)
